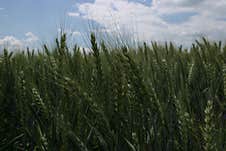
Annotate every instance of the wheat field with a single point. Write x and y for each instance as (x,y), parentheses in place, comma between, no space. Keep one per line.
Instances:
(156,97)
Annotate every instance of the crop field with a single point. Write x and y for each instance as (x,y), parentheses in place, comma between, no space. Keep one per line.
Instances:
(155,97)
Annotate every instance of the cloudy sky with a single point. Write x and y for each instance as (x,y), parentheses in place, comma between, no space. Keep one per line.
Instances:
(33,22)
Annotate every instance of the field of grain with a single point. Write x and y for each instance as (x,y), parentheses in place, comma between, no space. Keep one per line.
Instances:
(150,98)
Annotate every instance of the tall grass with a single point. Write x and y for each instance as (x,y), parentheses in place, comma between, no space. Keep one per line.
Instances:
(155,97)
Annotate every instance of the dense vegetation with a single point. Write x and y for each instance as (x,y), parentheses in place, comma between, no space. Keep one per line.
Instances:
(152,98)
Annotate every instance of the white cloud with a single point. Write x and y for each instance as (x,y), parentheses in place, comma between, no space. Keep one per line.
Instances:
(12,43)
(69,31)
(76,33)
(147,21)
(72,14)
(30,37)
(2,8)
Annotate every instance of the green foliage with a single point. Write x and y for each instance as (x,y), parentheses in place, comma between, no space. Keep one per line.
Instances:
(114,99)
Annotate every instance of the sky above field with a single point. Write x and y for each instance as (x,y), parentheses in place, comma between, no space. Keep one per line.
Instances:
(34,22)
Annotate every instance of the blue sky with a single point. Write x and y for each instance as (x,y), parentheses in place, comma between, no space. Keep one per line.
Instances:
(42,17)
(32,22)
